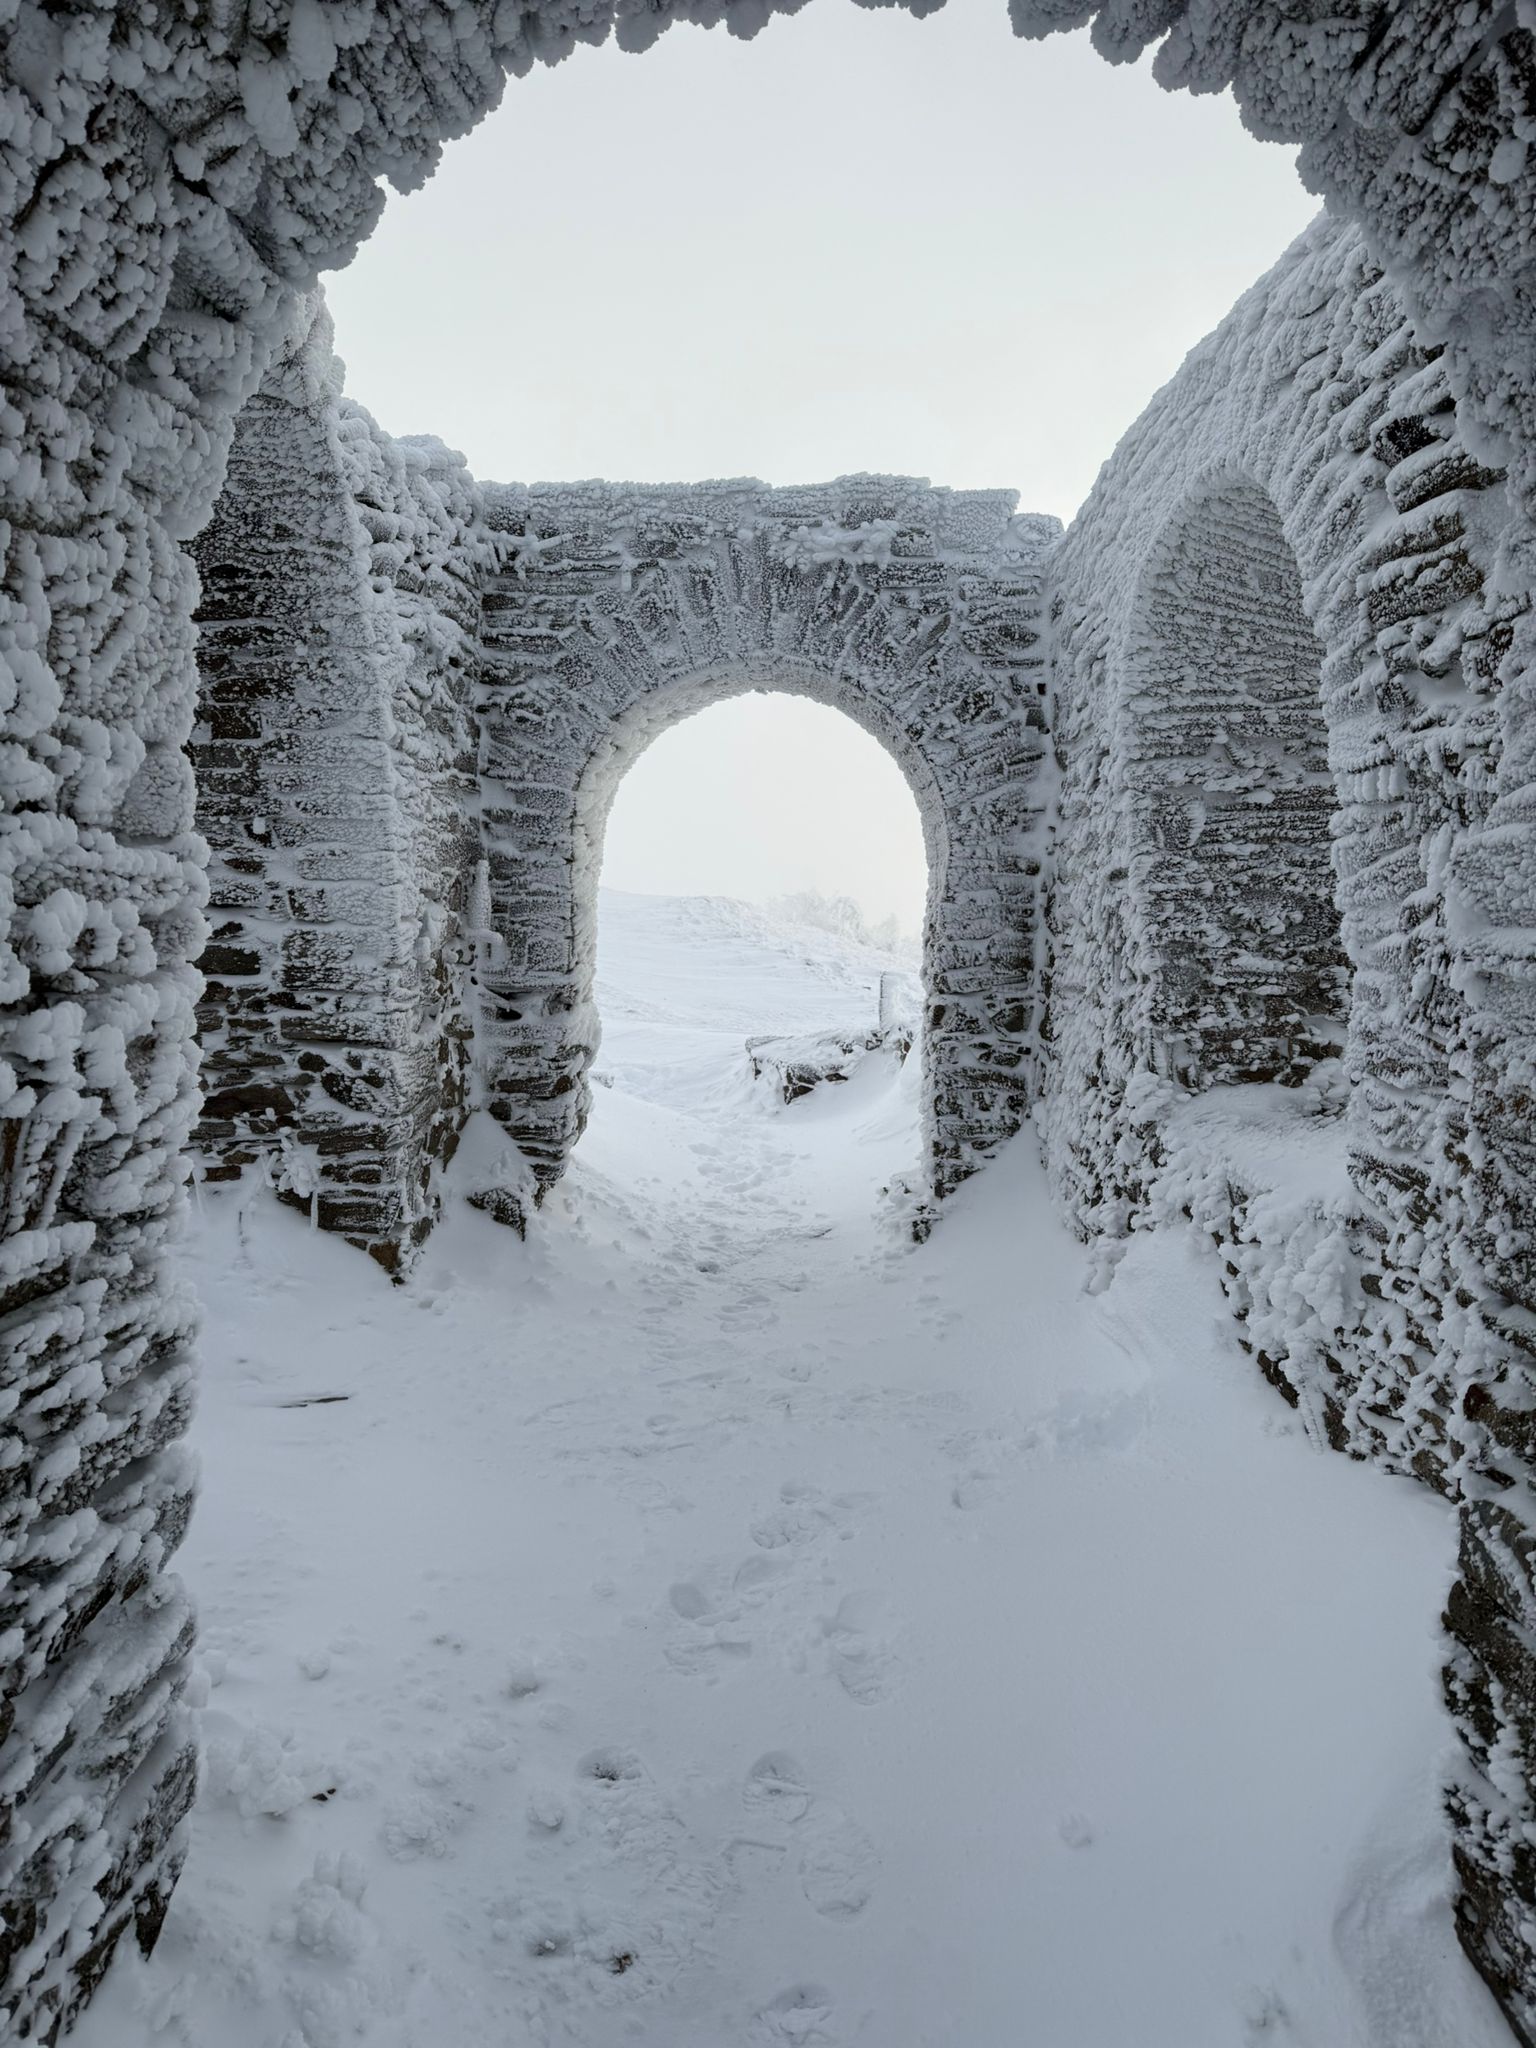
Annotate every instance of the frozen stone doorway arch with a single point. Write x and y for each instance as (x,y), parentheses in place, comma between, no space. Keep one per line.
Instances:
(624,609)
(178,181)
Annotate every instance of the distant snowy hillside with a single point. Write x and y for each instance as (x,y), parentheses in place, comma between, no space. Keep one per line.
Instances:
(684,981)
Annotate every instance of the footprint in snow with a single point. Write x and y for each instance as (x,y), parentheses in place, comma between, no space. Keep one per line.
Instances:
(714,1612)
(711,1636)
(802,2014)
(776,1788)
(757,1577)
(861,1638)
(794,1365)
(838,1859)
(708,1657)
(838,1866)
(804,1513)
(690,1601)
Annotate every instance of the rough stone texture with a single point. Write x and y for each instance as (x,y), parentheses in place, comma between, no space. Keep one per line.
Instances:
(1302,495)
(359,762)
(1228,802)
(335,756)
(624,609)
(173,180)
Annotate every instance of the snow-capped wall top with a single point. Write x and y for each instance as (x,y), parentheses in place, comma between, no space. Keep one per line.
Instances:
(852,518)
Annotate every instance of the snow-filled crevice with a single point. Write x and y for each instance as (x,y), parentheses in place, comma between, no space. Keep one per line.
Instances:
(1230,799)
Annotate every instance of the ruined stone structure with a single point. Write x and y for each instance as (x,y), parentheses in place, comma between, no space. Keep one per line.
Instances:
(1288,640)
(1285,708)
(915,611)
(336,757)
(419,696)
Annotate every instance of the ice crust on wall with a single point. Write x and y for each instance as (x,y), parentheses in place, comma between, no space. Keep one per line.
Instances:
(174,183)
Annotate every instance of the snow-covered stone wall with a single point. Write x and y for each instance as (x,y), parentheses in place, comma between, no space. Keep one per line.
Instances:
(172,182)
(419,697)
(1295,558)
(1229,799)
(335,752)
(624,608)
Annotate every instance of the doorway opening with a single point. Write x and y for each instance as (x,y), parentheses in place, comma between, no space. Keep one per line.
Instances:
(762,892)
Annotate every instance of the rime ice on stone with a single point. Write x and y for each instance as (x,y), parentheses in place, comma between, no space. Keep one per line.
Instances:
(335,751)
(174,181)
(1296,557)
(625,608)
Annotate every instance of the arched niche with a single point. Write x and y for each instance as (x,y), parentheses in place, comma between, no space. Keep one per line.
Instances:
(1231,800)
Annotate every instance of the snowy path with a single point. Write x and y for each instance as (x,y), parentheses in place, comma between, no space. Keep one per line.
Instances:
(718,1622)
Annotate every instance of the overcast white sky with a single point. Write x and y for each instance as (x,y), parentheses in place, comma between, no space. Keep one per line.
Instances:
(858,242)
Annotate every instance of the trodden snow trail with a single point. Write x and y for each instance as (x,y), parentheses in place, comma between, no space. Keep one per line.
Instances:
(720,1621)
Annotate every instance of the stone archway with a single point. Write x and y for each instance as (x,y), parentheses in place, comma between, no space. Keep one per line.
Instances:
(1373,1261)
(913,610)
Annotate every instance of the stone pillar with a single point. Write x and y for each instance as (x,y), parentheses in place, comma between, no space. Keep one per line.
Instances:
(335,777)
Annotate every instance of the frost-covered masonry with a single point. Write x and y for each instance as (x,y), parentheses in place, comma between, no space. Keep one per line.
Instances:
(624,608)
(1287,627)
(419,697)
(174,182)
(335,750)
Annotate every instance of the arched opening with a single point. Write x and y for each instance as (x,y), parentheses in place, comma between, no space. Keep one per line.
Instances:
(543,1038)
(762,890)
(1227,776)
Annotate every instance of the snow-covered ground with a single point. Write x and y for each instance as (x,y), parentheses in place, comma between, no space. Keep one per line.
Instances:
(719,1621)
